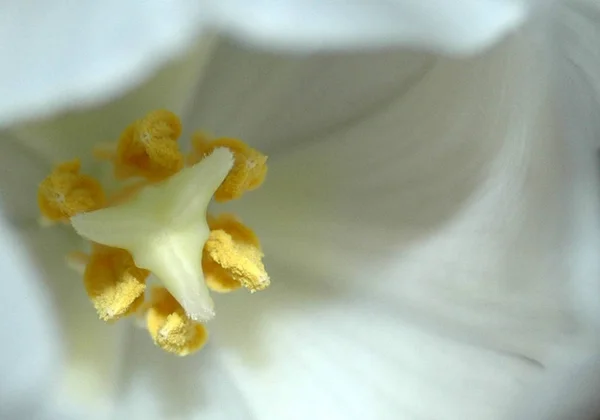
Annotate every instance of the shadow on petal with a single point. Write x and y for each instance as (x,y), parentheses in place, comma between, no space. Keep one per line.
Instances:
(157,385)
(240,315)
(91,348)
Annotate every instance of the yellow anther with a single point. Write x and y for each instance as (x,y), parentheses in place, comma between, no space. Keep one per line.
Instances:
(169,326)
(66,192)
(113,282)
(242,261)
(234,227)
(217,278)
(248,172)
(136,306)
(148,148)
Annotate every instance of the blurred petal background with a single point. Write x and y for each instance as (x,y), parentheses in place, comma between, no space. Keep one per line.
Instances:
(430,217)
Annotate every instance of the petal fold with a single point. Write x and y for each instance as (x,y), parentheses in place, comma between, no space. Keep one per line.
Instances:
(59,55)
(452,27)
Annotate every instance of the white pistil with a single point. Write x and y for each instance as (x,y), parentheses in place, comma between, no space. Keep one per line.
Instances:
(164,228)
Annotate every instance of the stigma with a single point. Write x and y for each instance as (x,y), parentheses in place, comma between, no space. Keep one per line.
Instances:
(156,223)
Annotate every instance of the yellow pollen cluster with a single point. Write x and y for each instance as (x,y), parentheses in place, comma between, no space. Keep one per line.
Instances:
(113,282)
(116,271)
(248,172)
(148,148)
(233,257)
(169,326)
(66,192)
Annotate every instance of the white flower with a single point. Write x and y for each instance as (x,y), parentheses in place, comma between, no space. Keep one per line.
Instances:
(425,221)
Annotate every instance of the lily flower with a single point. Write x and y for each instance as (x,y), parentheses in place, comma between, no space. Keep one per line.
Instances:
(424,243)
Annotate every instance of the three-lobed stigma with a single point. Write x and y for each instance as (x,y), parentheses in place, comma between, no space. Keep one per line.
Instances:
(156,226)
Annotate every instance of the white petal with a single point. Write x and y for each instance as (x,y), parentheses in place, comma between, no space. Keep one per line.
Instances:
(156,385)
(61,359)
(570,387)
(73,134)
(456,27)
(578,67)
(30,352)
(442,211)
(63,54)
(87,380)
(279,101)
(568,390)
(298,352)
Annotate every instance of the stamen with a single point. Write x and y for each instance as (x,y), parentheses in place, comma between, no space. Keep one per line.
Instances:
(113,282)
(137,306)
(241,260)
(148,148)
(164,227)
(218,278)
(234,227)
(66,192)
(161,228)
(169,326)
(248,172)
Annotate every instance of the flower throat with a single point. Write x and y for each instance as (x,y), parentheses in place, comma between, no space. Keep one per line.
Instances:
(155,225)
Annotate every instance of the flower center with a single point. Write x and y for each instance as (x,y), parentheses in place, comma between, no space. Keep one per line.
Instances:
(157,223)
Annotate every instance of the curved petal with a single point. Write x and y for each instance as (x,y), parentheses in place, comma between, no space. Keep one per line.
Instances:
(156,386)
(299,351)
(30,354)
(61,361)
(568,390)
(442,212)
(570,387)
(42,74)
(58,55)
(440,25)
(74,133)
(279,101)
(579,86)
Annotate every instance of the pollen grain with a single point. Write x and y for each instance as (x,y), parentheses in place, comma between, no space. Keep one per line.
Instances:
(66,192)
(248,172)
(169,326)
